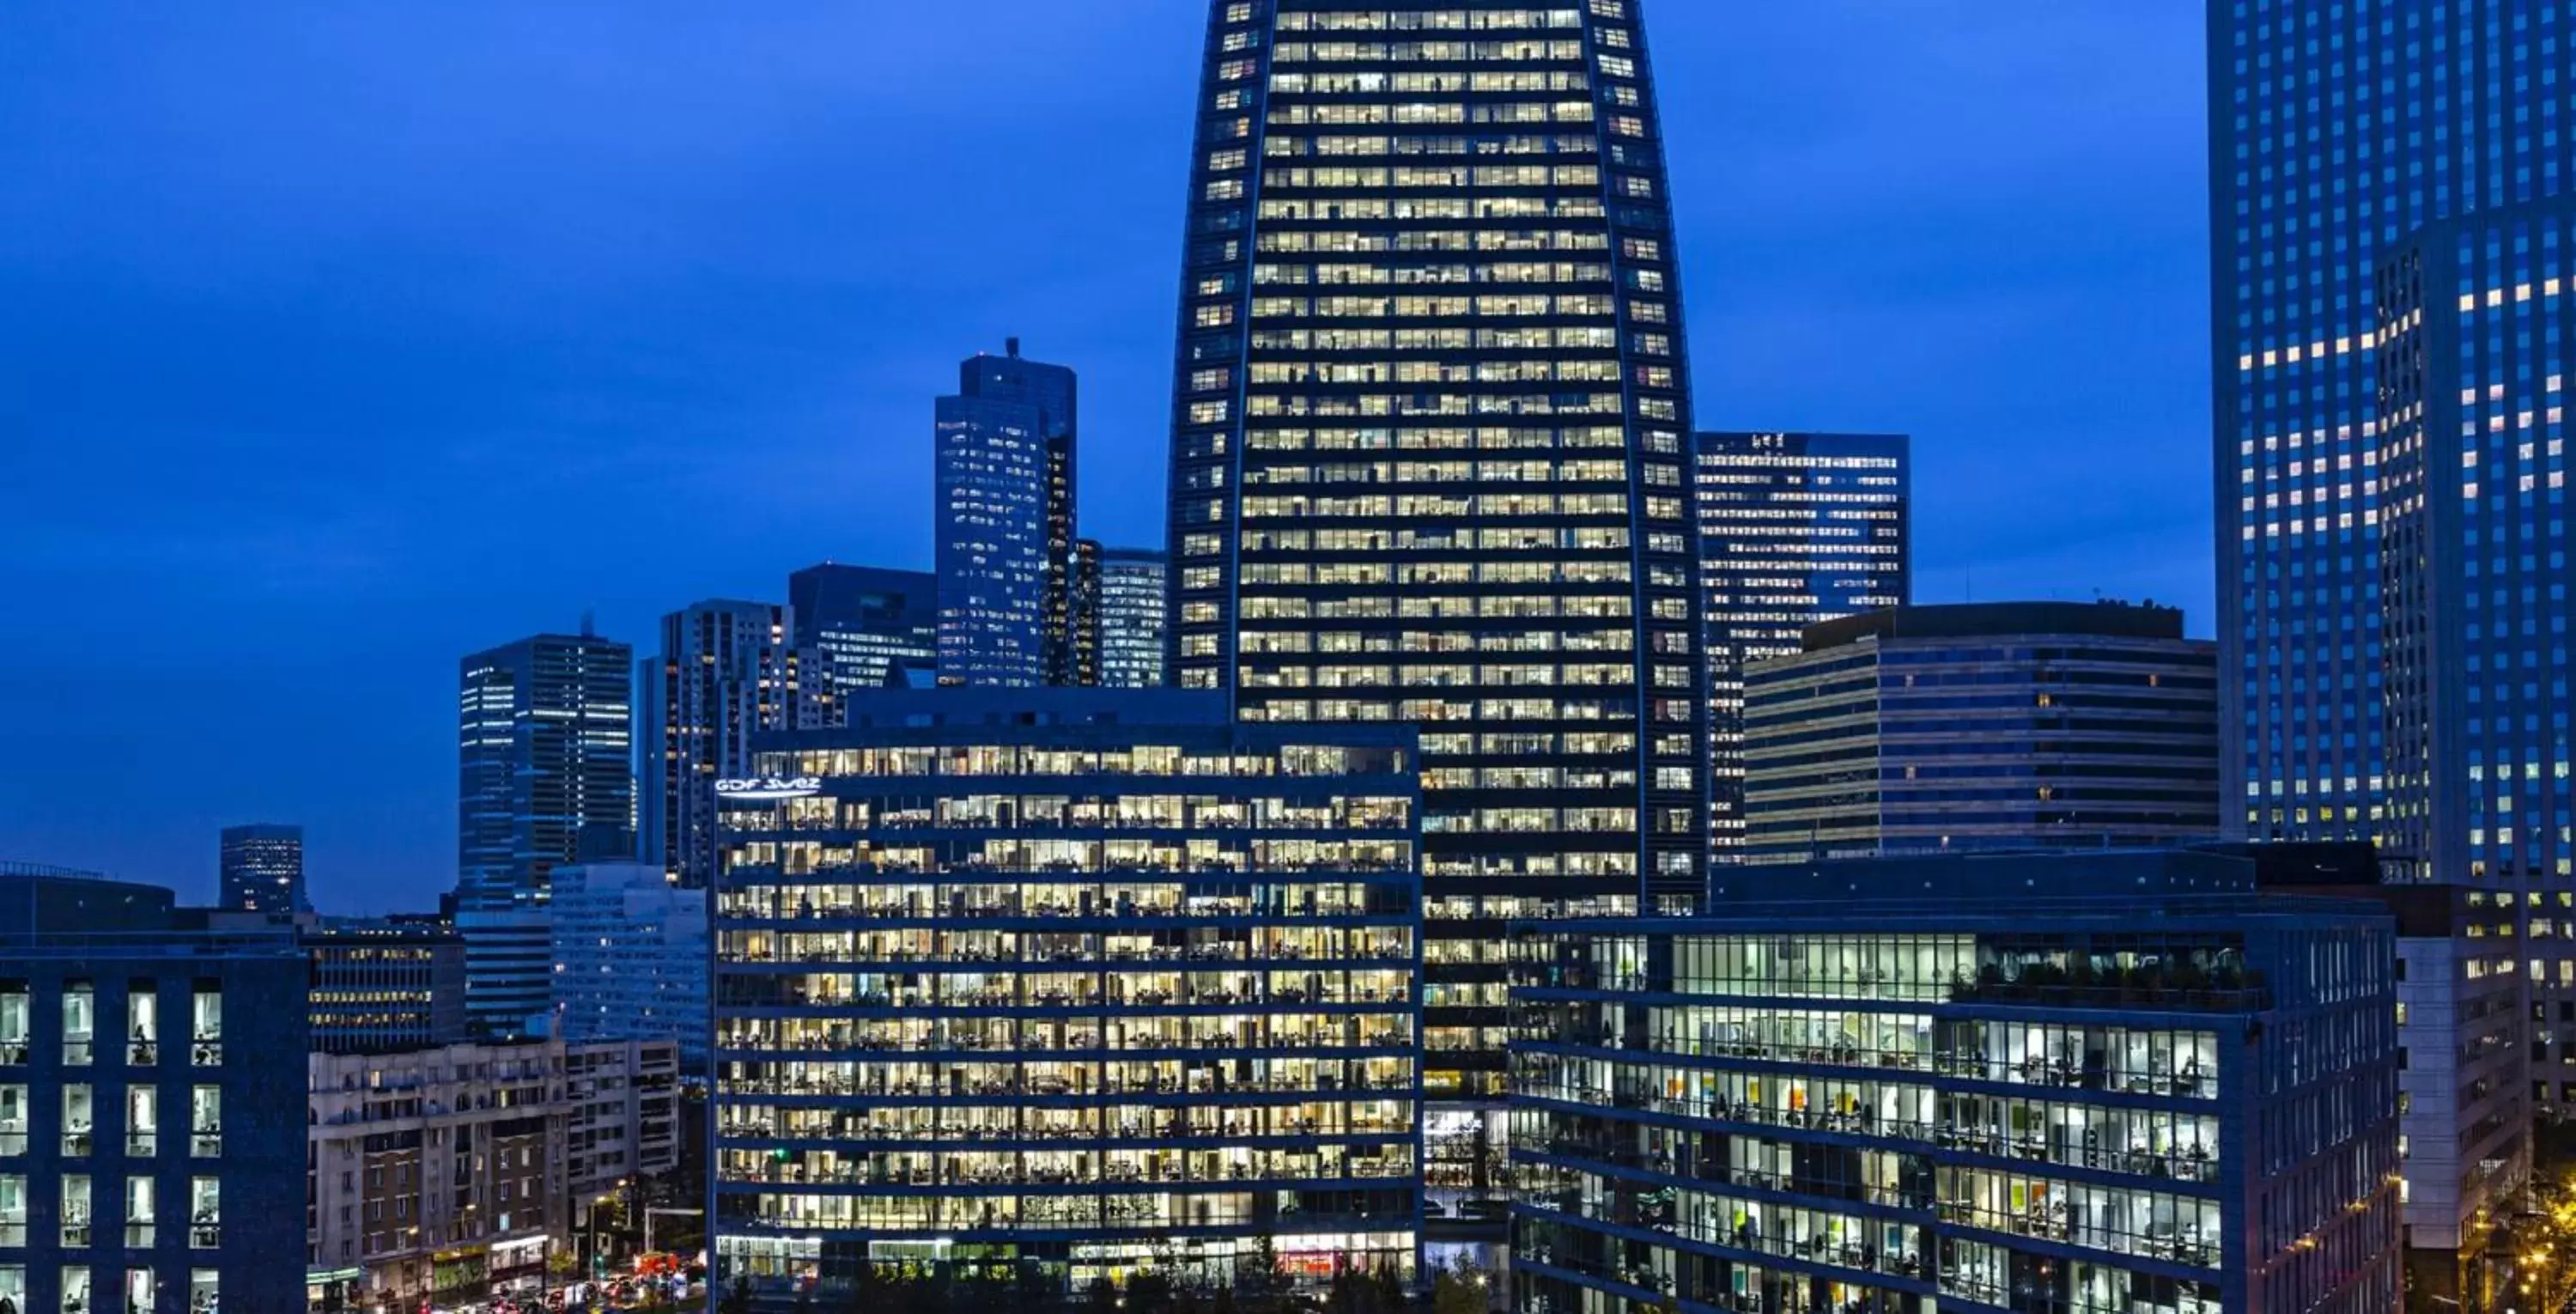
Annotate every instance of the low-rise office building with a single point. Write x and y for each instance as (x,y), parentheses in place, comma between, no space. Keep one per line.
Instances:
(147,1108)
(451,1175)
(1980,728)
(383,985)
(2155,1104)
(1093,982)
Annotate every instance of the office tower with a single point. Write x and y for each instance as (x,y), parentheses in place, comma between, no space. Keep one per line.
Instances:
(382,985)
(1985,726)
(1085,631)
(630,955)
(1005,523)
(1970,1099)
(151,1102)
(863,623)
(448,1178)
(1131,615)
(1087,982)
(1794,528)
(1429,460)
(544,752)
(727,671)
(1052,390)
(2339,132)
(992,551)
(263,870)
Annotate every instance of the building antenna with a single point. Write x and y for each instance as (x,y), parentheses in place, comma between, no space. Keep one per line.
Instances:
(589,623)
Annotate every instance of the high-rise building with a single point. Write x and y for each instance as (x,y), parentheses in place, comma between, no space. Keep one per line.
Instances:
(1085,670)
(1053,390)
(727,671)
(630,957)
(1005,523)
(382,985)
(1968,1099)
(545,751)
(1979,727)
(1131,613)
(2339,132)
(1074,982)
(1430,459)
(860,623)
(151,1103)
(263,870)
(991,523)
(1794,528)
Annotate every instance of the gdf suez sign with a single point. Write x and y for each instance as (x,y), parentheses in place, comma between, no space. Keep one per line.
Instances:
(768,789)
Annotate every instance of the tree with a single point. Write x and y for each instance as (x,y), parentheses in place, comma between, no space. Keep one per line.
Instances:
(1101,1297)
(1149,1293)
(2544,1246)
(1391,1296)
(1463,1289)
(1263,1275)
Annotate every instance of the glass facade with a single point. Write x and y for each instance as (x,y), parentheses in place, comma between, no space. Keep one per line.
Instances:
(860,623)
(728,670)
(1794,528)
(1098,996)
(1005,523)
(992,551)
(1982,727)
(1132,608)
(545,741)
(2087,1107)
(2339,128)
(1429,461)
(263,870)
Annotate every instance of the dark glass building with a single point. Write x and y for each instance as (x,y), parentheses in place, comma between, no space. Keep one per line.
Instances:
(1072,985)
(1980,727)
(2154,1103)
(263,870)
(544,752)
(1430,458)
(862,622)
(1794,528)
(151,1103)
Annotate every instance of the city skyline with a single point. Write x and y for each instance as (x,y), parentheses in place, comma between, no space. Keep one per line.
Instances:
(379,835)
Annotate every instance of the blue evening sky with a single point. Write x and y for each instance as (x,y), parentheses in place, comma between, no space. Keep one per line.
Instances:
(339,340)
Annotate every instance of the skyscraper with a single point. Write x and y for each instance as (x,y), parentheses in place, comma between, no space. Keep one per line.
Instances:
(861,622)
(1430,455)
(2337,131)
(2386,180)
(1131,614)
(263,870)
(1005,523)
(546,737)
(727,670)
(1794,528)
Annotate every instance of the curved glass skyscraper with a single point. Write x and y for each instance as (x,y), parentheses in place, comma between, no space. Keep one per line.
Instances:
(1430,453)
